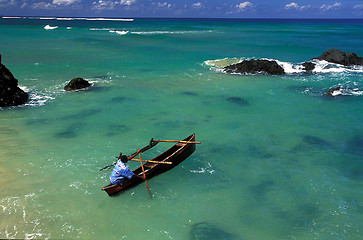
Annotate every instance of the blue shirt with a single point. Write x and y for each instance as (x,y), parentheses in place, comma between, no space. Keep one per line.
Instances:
(120,172)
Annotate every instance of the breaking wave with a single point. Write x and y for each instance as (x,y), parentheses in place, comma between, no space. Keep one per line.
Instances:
(219,64)
(36,98)
(111,30)
(10,17)
(346,89)
(168,32)
(106,19)
(119,32)
(321,66)
(147,33)
(39,98)
(102,29)
(48,27)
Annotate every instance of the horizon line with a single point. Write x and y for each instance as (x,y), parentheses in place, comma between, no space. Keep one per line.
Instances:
(118,17)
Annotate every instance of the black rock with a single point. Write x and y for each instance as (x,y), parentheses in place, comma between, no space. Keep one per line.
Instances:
(340,57)
(255,67)
(308,66)
(77,84)
(10,93)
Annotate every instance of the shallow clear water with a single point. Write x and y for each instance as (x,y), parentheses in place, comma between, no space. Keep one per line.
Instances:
(278,159)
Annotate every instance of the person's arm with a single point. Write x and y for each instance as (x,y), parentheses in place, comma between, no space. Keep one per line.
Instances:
(129,174)
(134,154)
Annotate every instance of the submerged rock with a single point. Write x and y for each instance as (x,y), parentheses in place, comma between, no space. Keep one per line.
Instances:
(238,100)
(355,145)
(315,141)
(10,93)
(258,192)
(333,91)
(255,66)
(343,91)
(77,84)
(340,57)
(207,231)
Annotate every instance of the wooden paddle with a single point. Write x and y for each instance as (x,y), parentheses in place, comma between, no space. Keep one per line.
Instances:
(143,171)
(119,157)
(176,141)
(152,161)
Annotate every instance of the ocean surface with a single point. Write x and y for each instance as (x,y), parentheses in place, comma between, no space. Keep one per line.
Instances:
(278,159)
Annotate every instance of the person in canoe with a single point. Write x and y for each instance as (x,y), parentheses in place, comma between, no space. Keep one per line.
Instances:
(121,172)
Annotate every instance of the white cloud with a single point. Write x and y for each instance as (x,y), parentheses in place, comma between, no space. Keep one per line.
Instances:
(359,7)
(103,5)
(127,2)
(7,3)
(296,6)
(42,5)
(109,4)
(291,5)
(197,5)
(50,5)
(64,2)
(242,6)
(162,5)
(329,7)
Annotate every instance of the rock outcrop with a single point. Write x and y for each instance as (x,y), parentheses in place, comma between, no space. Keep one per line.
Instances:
(340,57)
(255,67)
(10,93)
(308,66)
(77,84)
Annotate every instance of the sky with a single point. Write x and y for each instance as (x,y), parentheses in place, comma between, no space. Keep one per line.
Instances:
(185,8)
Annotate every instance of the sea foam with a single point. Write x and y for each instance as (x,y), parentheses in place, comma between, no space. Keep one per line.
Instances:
(119,32)
(111,30)
(168,32)
(347,92)
(219,64)
(36,98)
(347,89)
(101,29)
(321,66)
(108,19)
(10,17)
(97,19)
(146,33)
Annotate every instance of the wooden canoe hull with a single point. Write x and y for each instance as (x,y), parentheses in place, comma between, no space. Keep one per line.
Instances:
(176,154)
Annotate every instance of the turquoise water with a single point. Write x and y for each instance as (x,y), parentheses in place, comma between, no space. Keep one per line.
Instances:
(278,159)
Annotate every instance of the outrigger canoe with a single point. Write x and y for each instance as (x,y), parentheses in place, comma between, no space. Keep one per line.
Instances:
(176,154)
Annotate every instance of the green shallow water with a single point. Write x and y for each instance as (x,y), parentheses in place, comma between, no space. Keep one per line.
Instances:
(278,160)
